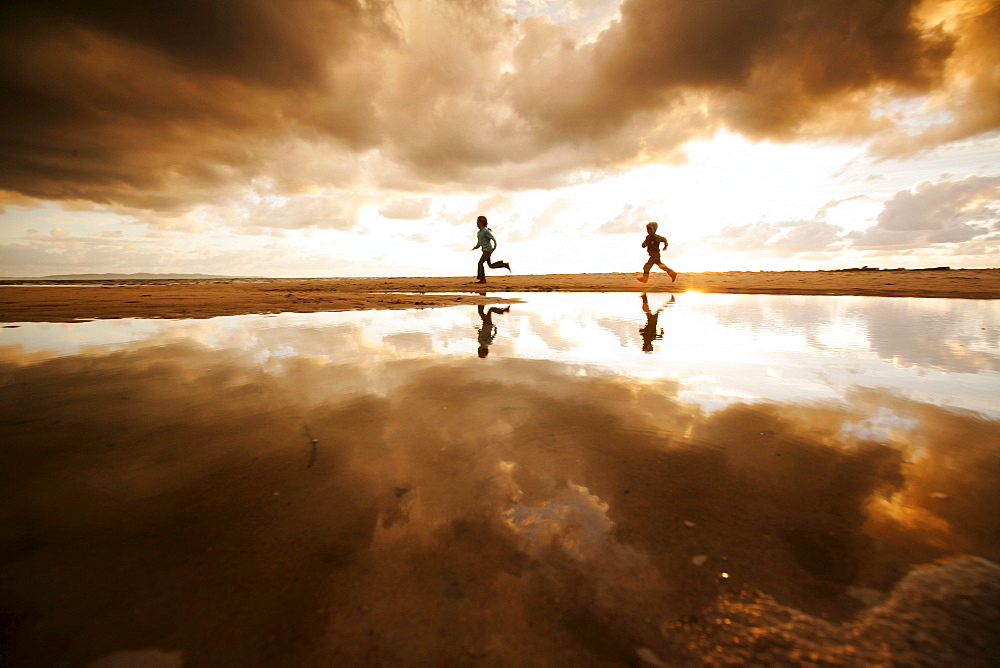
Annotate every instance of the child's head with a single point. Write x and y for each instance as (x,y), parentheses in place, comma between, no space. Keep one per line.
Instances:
(481,221)
(483,352)
(651,227)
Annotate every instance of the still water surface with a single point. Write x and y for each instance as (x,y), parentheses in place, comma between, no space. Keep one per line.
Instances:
(584,479)
(719,347)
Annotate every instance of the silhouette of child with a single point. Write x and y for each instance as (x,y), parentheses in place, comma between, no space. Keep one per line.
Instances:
(652,245)
(649,333)
(488,331)
(488,243)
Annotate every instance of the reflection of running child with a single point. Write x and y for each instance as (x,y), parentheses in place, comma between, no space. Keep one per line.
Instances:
(488,331)
(652,245)
(649,333)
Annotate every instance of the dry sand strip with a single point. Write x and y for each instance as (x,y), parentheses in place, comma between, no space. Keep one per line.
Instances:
(209,298)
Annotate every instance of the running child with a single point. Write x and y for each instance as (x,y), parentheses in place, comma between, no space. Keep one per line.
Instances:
(652,245)
(488,243)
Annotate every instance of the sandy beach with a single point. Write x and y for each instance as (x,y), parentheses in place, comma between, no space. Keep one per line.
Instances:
(209,298)
(772,481)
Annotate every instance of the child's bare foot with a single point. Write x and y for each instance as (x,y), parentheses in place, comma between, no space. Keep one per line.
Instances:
(481,280)
(642,279)
(673,276)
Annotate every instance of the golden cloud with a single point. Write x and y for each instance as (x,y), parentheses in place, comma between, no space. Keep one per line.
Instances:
(158,105)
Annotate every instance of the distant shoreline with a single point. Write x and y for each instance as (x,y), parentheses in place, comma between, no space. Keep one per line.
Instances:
(39,300)
(138,276)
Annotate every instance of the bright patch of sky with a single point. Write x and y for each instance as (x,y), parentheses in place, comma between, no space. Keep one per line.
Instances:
(583,18)
(594,226)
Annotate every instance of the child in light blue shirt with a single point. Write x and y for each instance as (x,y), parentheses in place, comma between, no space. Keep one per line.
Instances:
(488,243)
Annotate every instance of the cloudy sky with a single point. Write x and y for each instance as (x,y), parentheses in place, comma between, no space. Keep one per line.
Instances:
(362,137)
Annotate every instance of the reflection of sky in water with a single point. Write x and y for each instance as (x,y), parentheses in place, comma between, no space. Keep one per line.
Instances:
(401,492)
(720,347)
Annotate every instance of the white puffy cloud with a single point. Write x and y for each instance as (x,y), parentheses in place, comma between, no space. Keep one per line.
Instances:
(944,213)
(940,206)
(935,213)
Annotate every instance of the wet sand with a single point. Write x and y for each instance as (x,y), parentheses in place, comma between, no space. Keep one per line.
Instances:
(203,299)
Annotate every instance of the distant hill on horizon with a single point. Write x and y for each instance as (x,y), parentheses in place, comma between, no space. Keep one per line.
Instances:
(115,277)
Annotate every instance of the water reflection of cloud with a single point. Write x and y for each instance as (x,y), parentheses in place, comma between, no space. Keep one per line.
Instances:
(411,342)
(444,493)
(723,347)
(624,330)
(575,521)
(952,335)
(559,331)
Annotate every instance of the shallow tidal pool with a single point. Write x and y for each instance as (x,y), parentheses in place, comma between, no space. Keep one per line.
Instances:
(578,479)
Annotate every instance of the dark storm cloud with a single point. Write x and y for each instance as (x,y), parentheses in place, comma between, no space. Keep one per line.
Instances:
(112,101)
(769,65)
(518,105)
(971,100)
(233,38)
(162,105)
